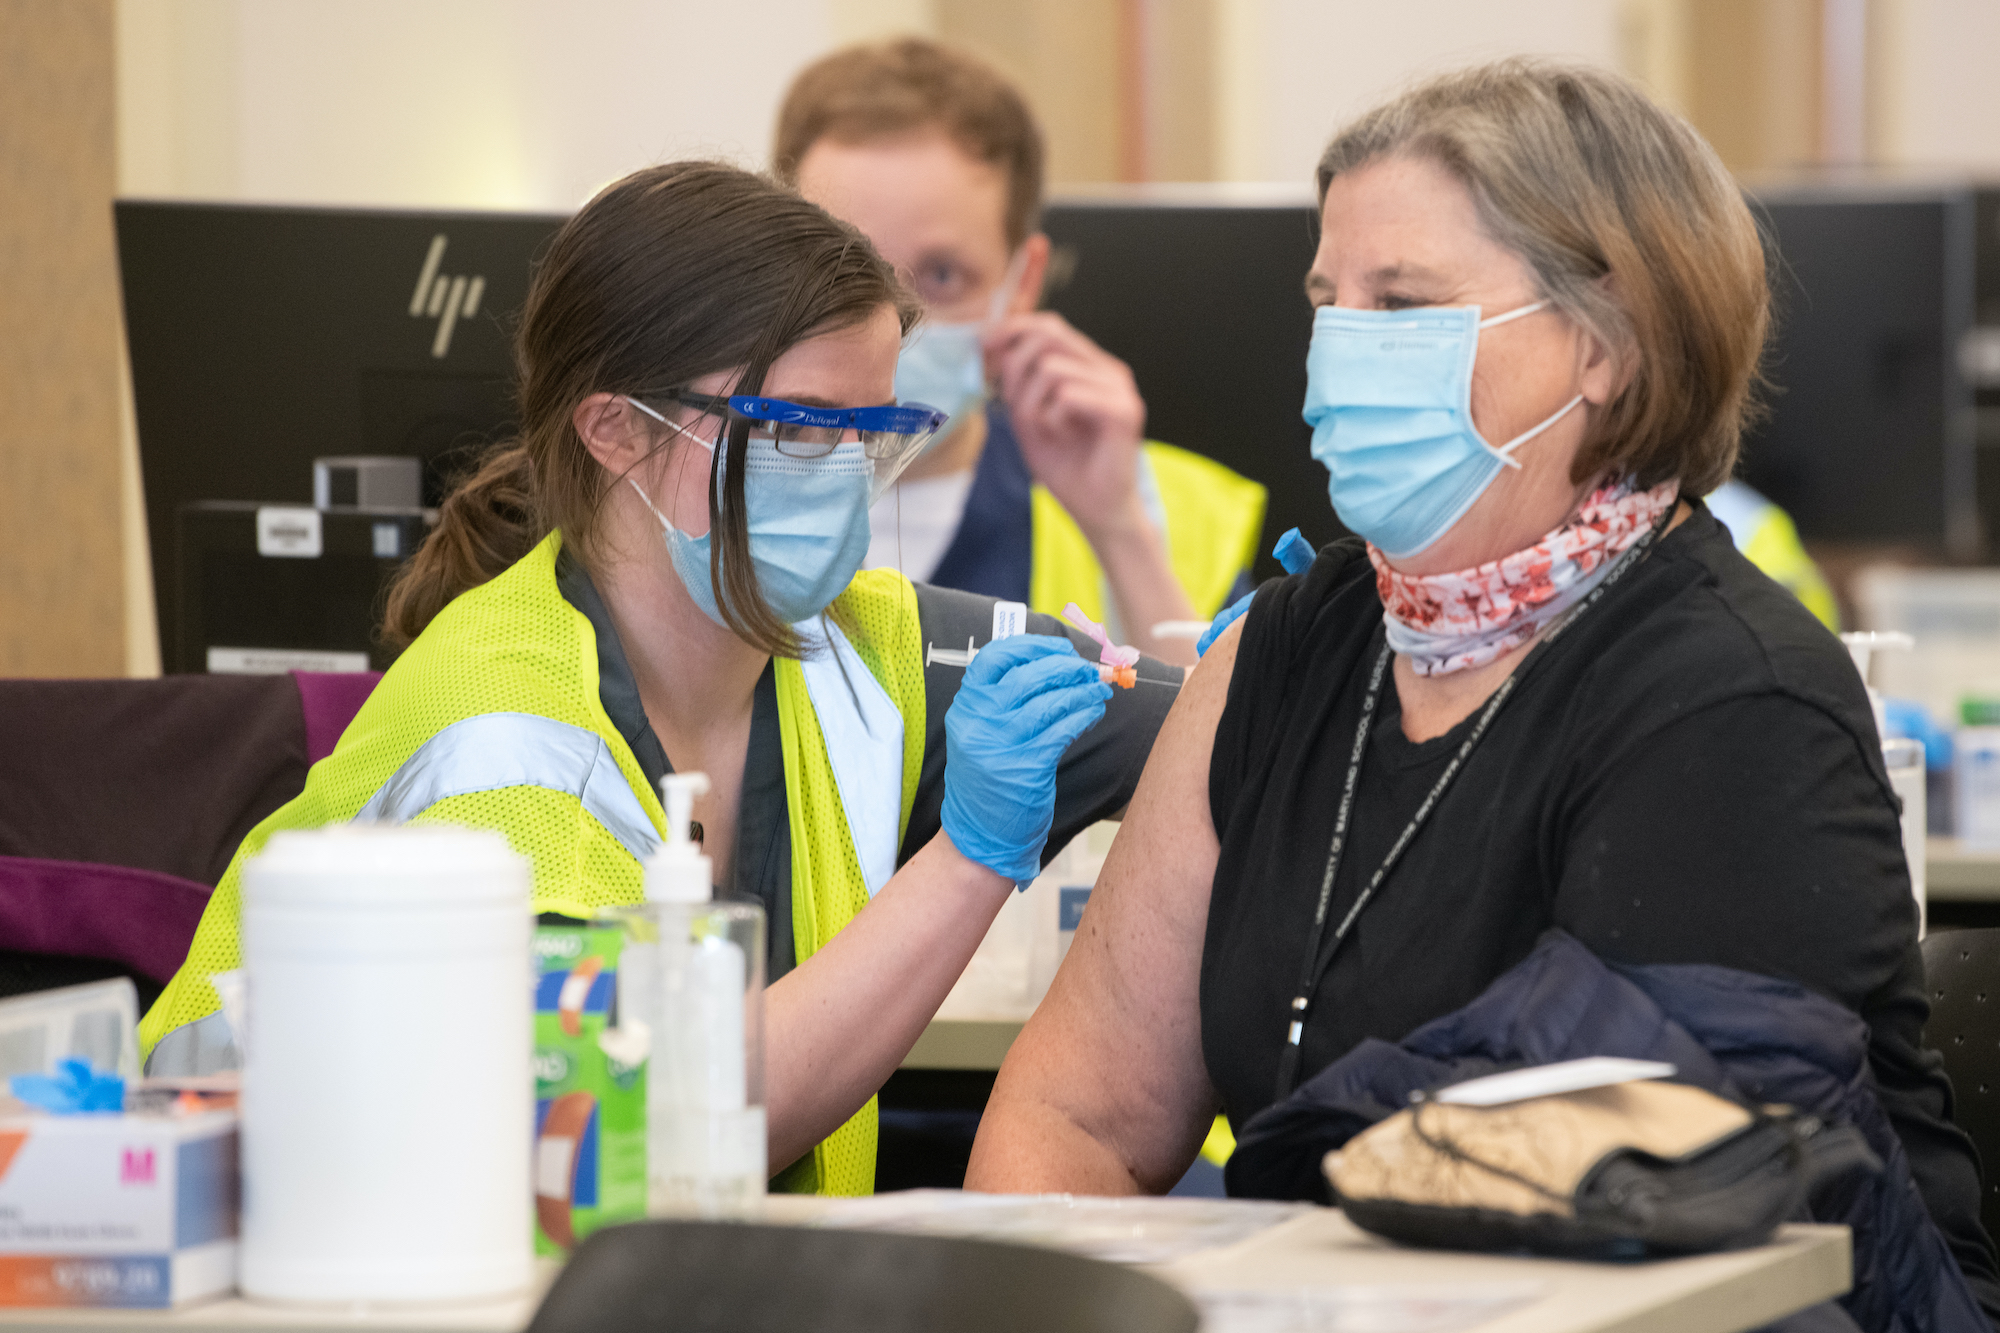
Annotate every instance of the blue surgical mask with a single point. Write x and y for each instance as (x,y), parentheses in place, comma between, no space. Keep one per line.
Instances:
(1389,398)
(942,366)
(808,528)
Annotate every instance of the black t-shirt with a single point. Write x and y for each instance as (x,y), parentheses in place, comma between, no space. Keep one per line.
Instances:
(1094,778)
(1690,774)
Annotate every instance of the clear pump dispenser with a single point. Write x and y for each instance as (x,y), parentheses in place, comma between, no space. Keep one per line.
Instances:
(691,994)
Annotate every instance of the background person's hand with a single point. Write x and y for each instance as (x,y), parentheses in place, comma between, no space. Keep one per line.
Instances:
(1023,701)
(1077,412)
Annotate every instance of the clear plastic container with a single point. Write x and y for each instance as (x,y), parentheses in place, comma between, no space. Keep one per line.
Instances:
(691,1004)
(94,1022)
(1976,779)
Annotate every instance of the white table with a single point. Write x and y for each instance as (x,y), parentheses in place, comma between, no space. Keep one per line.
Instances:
(1720,1293)
(964,1043)
(1957,874)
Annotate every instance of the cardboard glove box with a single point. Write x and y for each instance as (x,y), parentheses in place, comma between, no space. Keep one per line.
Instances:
(136,1211)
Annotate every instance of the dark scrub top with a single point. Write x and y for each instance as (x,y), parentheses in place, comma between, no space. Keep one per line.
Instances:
(1094,779)
(1690,774)
(992,553)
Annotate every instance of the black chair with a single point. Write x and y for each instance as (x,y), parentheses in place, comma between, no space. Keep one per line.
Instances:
(707,1277)
(1962,971)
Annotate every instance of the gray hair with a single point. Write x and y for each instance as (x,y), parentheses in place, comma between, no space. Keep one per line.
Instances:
(1584,177)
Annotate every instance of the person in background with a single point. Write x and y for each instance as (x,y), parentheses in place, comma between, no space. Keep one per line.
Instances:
(663,572)
(1767,538)
(1046,492)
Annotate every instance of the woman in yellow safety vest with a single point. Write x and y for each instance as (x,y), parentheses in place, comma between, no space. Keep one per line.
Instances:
(659,574)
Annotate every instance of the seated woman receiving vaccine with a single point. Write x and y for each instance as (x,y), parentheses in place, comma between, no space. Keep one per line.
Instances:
(1540,690)
(661,573)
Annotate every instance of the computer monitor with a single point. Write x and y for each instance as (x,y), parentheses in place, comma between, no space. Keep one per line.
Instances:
(262,338)
(1202,292)
(1871,435)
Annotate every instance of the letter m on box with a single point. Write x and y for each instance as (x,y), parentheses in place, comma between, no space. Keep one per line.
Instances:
(136,1167)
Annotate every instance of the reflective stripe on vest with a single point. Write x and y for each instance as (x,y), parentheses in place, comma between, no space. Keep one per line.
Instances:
(205,1046)
(495,750)
(864,734)
(819,714)
(864,745)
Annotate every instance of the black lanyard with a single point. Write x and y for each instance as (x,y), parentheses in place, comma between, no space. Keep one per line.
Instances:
(1320,953)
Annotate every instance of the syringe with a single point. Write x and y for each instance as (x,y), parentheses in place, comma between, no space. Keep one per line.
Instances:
(1125,677)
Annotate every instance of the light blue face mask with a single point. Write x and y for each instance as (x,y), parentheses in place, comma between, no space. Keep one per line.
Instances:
(1389,398)
(808,527)
(944,366)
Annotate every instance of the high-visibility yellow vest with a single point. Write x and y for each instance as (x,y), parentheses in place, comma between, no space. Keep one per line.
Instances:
(1212,518)
(493,719)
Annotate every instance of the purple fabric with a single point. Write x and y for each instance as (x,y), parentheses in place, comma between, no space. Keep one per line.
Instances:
(330,701)
(142,918)
(167,775)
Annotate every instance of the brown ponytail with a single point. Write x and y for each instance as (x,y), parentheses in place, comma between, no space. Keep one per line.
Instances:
(671,274)
(486,524)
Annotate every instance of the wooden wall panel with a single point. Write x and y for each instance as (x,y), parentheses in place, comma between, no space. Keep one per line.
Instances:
(1125,89)
(1065,55)
(1183,49)
(61,596)
(1746,73)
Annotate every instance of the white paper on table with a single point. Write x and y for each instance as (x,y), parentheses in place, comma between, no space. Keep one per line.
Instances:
(1126,1231)
(1432,1308)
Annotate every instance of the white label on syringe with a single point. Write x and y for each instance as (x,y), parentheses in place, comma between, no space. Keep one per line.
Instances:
(1009,619)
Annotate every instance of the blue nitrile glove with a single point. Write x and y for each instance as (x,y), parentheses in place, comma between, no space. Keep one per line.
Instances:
(73,1088)
(1293,552)
(1023,701)
(1908,718)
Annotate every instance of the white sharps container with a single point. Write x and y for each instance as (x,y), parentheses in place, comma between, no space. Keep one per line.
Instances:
(388,1102)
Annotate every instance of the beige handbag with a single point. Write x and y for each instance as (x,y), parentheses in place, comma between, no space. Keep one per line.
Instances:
(1621,1171)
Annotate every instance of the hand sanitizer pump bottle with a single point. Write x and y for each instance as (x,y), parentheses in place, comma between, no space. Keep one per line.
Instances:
(1904,759)
(698,990)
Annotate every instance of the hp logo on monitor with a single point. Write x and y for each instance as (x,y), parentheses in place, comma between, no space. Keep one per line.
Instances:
(442,298)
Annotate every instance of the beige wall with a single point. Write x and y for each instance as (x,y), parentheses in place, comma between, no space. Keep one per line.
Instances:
(1297,69)
(1938,69)
(1746,71)
(1065,54)
(525,104)
(61,599)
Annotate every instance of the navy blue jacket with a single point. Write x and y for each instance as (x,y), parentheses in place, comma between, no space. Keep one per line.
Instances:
(1741,1035)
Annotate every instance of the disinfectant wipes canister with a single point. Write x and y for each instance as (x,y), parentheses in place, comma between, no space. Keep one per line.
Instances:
(387,1091)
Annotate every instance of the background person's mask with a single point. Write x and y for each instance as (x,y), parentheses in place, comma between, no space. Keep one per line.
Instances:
(944,366)
(1389,398)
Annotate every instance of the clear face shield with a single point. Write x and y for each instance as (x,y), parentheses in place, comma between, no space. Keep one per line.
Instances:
(889,437)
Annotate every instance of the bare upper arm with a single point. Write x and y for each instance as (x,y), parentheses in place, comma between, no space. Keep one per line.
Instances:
(1115,1049)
